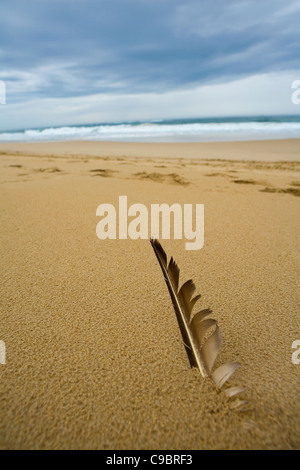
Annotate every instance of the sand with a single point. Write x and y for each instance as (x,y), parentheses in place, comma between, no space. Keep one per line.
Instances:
(269,150)
(95,358)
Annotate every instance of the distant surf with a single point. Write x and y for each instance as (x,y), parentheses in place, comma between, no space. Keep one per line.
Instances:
(176,130)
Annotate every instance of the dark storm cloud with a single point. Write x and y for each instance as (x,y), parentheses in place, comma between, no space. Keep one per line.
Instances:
(61,48)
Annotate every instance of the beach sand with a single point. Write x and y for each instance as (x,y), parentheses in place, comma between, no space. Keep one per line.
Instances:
(94,355)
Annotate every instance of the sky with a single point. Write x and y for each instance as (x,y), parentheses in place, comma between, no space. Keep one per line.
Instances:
(89,61)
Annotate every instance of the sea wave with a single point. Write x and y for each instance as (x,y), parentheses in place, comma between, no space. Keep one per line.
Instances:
(151,131)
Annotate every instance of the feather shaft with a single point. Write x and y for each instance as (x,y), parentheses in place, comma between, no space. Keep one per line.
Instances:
(182,317)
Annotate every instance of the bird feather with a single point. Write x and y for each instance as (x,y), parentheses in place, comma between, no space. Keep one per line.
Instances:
(202,348)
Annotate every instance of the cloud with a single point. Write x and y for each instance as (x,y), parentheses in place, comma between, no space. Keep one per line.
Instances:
(246,96)
(62,49)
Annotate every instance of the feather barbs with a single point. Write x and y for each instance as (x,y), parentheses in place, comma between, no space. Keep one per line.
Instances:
(201,335)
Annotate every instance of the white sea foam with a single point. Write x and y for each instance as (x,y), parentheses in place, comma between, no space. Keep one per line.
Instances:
(204,131)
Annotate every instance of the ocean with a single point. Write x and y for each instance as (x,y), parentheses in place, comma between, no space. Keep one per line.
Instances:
(175,130)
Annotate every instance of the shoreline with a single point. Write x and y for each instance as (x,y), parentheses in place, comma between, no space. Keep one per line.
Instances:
(254,150)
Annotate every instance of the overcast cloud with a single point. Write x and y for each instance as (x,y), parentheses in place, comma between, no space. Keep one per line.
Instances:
(124,52)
